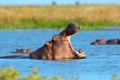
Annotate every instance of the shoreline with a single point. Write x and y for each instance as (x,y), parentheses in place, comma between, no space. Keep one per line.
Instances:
(56,25)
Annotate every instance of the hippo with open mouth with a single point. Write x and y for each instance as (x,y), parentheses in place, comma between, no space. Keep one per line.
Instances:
(60,47)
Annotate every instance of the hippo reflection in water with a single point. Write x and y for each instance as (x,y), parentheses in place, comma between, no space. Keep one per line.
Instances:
(107,42)
(60,47)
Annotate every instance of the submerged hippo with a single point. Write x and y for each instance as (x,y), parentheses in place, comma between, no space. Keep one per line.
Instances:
(22,51)
(107,42)
(59,47)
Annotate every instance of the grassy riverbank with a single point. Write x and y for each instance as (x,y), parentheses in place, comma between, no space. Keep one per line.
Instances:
(90,17)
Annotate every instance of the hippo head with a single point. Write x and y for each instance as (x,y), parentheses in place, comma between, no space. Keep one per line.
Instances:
(71,29)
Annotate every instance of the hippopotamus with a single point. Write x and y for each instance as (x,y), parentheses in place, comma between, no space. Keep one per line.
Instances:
(59,47)
(22,51)
(107,42)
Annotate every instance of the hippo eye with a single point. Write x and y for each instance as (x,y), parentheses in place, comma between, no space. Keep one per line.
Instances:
(68,32)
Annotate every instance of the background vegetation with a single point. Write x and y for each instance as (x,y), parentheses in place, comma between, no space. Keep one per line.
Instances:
(90,17)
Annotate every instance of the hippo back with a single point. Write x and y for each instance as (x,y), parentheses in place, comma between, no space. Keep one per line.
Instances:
(112,41)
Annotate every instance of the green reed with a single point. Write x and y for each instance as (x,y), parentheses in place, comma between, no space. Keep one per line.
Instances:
(58,24)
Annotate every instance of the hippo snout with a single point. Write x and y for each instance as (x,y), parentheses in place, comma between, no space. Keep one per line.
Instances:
(71,29)
(73,26)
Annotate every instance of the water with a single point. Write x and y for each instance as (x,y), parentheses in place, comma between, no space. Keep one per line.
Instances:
(101,63)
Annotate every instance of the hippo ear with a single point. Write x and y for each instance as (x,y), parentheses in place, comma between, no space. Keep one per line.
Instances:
(56,38)
(48,44)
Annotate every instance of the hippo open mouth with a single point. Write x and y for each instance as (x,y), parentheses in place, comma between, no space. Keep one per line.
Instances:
(59,47)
